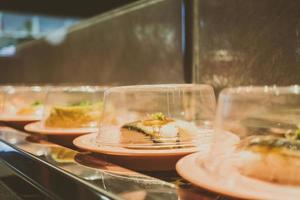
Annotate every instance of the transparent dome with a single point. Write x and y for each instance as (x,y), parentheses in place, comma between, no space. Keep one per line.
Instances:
(258,135)
(157,116)
(22,101)
(73,107)
(2,98)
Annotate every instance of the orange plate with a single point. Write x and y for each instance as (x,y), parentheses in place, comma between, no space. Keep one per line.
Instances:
(192,169)
(18,121)
(137,159)
(37,127)
(17,118)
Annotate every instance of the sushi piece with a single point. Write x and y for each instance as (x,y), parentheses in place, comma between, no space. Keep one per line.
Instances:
(157,129)
(271,158)
(79,115)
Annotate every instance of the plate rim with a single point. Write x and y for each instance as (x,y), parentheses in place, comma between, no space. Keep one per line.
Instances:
(15,118)
(35,127)
(79,142)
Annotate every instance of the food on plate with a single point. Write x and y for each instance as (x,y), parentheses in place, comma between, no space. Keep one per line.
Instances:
(271,158)
(157,129)
(82,114)
(33,109)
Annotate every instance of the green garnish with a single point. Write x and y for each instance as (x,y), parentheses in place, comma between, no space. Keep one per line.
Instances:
(87,103)
(83,103)
(158,116)
(37,103)
(293,135)
(297,134)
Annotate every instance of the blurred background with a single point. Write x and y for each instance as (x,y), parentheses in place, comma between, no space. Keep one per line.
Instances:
(124,42)
(22,21)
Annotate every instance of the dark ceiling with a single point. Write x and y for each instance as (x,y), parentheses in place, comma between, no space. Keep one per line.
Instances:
(68,8)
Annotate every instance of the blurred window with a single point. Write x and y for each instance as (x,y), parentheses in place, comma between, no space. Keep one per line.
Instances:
(16,28)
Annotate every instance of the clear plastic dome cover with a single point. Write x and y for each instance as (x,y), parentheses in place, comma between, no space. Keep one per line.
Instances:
(258,134)
(22,101)
(157,116)
(2,98)
(73,107)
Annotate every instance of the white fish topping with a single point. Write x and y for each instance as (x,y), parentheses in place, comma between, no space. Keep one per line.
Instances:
(169,130)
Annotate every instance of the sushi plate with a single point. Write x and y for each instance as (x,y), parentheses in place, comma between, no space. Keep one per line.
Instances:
(37,127)
(137,159)
(17,118)
(18,122)
(228,181)
(88,142)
